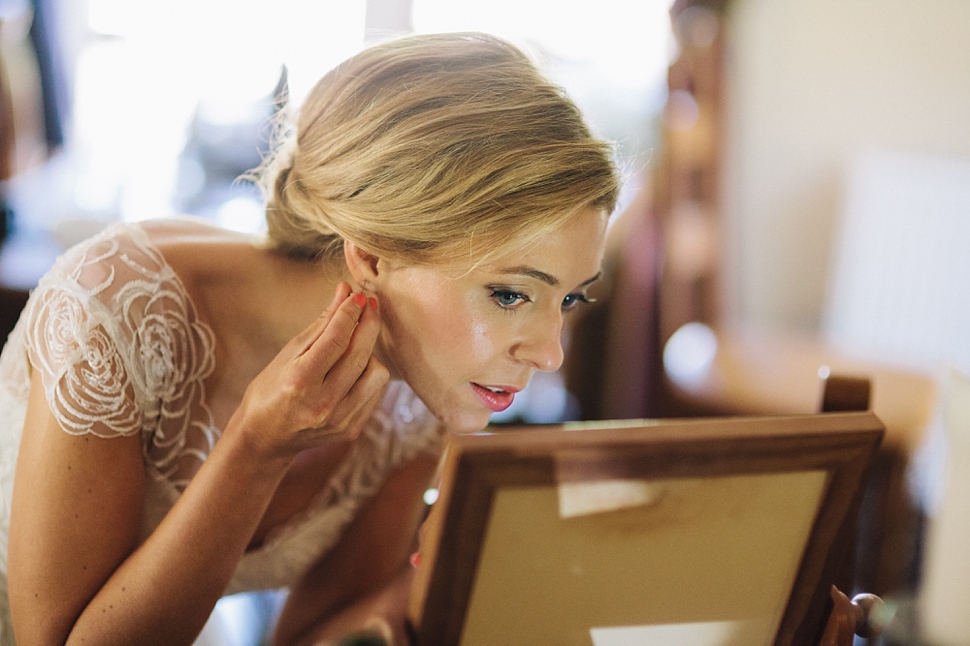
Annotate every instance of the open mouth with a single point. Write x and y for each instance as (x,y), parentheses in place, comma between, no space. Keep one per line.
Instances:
(495,398)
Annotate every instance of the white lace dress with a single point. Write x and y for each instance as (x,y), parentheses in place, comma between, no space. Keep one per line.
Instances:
(122,351)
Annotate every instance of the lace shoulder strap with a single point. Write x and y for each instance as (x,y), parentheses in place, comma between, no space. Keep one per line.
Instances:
(114,335)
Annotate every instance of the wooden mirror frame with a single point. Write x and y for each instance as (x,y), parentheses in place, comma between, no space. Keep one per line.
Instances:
(477,467)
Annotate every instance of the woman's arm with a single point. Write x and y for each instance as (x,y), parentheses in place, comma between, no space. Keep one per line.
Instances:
(367,575)
(76,573)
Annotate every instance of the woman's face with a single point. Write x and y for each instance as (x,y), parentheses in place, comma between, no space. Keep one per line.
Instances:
(466,342)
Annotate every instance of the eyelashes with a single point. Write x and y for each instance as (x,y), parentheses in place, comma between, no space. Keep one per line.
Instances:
(572,301)
(509,299)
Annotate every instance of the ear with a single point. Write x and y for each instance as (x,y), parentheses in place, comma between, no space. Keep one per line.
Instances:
(363,265)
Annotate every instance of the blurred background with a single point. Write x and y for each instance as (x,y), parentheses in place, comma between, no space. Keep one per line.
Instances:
(124,110)
(133,110)
(796,200)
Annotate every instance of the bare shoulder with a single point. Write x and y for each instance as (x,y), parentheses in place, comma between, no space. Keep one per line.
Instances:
(188,228)
(193,245)
(215,264)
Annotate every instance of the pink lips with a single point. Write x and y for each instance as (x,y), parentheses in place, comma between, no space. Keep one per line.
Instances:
(496,401)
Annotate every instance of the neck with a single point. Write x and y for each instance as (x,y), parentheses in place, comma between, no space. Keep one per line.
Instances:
(267,303)
(287,296)
(295,294)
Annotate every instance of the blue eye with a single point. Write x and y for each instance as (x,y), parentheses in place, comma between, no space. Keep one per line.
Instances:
(507,298)
(573,300)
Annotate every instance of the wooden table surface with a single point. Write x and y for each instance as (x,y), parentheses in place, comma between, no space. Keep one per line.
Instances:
(772,373)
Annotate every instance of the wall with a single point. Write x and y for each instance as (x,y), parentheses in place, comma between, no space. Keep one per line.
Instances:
(809,85)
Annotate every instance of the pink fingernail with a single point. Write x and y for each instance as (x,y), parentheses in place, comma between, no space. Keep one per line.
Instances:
(373,303)
(360,299)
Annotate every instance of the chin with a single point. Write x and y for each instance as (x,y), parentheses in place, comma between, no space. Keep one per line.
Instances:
(465,423)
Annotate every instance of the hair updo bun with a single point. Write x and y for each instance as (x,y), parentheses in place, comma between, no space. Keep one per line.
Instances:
(431,149)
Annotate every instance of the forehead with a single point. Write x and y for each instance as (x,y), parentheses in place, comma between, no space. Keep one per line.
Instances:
(578,246)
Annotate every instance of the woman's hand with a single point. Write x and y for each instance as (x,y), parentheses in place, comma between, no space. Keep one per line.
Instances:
(322,386)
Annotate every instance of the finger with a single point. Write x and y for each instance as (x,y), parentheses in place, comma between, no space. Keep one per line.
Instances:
(312,332)
(357,407)
(331,367)
(335,340)
(347,369)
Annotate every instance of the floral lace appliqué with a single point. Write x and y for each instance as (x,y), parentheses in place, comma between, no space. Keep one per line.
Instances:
(121,350)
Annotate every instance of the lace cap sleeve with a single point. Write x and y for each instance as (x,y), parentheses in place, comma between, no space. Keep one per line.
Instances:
(109,329)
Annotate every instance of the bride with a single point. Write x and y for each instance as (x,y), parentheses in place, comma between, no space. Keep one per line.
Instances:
(188,412)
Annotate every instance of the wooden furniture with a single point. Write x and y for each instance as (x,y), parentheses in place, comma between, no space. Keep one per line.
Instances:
(841,393)
(769,374)
(720,531)
(765,373)
(865,615)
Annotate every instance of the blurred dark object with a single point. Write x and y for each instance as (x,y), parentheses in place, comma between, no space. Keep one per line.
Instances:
(6,219)
(612,364)
(6,144)
(224,145)
(50,64)
(842,393)
(34,97)
(12,302)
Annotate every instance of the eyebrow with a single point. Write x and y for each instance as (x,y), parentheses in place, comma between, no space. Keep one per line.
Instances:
(548,279)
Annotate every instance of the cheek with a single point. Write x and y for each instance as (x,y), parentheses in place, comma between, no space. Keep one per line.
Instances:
(457,340)
(463,336)
(481,338)
(436,327)
(430,330)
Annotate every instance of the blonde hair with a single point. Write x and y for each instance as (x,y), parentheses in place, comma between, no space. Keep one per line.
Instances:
(431,149)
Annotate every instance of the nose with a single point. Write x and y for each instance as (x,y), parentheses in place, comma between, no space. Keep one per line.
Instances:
(540,345)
